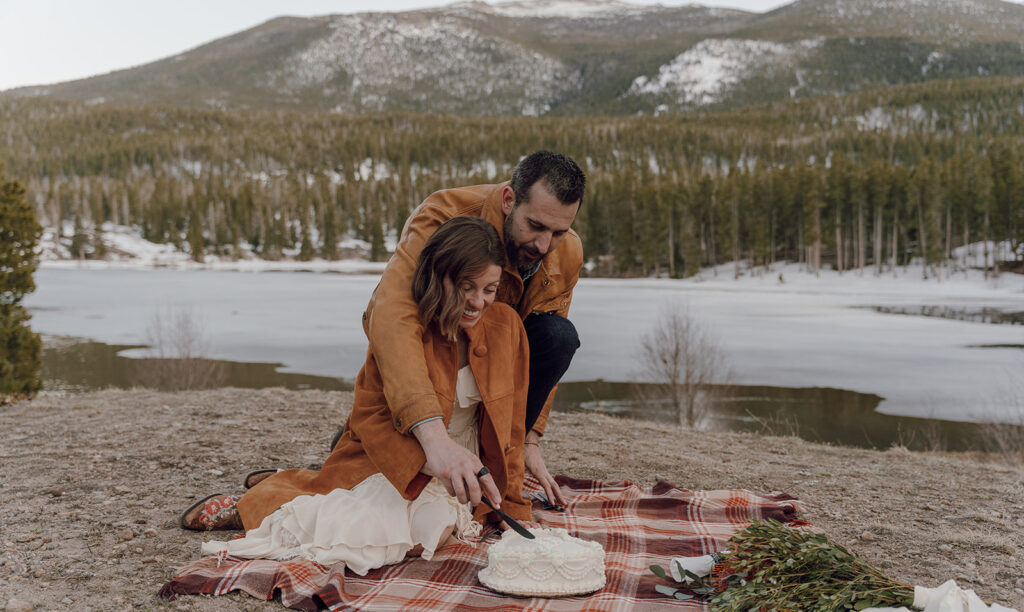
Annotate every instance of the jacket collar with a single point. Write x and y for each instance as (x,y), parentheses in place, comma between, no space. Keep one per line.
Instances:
(492,212)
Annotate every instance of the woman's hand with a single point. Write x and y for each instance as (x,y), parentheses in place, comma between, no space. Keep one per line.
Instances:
(454,466)
(535,463)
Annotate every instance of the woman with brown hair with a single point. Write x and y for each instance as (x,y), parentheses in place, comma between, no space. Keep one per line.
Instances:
(382,494)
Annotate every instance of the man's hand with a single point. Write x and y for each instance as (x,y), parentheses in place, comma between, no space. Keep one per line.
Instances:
(535,463)
(454,466)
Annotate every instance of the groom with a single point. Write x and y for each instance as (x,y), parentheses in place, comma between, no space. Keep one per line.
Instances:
(533,213)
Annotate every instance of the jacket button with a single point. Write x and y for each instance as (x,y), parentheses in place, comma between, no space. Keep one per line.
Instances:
(480,351)
(564,303)
(547,281)
(398,423)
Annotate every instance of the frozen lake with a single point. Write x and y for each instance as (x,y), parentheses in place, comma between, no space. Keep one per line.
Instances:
(804,332)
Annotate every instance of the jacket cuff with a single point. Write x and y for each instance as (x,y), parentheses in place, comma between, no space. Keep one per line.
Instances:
(418,409)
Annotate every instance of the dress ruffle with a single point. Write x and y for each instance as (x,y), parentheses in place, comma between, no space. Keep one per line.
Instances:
(366,527)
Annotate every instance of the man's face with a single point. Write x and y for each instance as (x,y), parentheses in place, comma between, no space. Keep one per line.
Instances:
(535,227)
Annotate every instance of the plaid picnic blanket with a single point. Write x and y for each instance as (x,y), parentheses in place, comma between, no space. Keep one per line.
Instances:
(637,527)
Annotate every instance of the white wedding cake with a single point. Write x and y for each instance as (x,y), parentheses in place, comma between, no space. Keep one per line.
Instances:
(555,564)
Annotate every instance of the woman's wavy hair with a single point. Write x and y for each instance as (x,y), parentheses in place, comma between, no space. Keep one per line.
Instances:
(460,249)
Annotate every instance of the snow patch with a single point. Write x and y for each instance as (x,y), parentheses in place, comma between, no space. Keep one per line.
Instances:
(901,120)
(574,9)
(703,74)
(127,249)
(934,60)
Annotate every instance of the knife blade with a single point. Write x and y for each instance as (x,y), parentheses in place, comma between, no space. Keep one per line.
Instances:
(509,520)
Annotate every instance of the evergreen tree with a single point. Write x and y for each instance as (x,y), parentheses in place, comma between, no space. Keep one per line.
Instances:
(20,348)
(99,247)
(306,249)
(329,235)
(659,188)
(376,234)
(196,242)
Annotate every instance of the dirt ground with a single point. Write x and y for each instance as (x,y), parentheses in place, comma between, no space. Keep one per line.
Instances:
(92,487)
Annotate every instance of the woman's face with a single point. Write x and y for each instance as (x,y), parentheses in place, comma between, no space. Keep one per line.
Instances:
(478,292)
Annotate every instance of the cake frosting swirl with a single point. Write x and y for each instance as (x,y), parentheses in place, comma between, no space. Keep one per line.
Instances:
(555,564)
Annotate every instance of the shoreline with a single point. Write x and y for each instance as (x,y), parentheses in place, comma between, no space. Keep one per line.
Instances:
(95,482)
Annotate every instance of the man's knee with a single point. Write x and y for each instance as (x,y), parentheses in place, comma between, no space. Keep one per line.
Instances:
(551,334)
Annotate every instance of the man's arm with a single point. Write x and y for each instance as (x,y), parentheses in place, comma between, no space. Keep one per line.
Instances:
(393,327)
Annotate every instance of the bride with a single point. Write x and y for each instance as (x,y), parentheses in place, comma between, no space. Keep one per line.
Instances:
(381,494)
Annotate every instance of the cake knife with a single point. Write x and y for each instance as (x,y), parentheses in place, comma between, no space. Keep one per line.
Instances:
(509,520)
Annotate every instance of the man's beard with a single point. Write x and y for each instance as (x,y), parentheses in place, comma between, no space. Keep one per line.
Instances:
(516,253)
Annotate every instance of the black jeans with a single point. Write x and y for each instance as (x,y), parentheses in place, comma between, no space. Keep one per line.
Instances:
(553,341)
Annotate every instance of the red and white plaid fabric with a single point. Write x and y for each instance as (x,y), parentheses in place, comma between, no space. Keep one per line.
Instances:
(637,527)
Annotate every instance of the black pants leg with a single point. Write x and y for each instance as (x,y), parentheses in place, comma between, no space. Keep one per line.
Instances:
(553,341)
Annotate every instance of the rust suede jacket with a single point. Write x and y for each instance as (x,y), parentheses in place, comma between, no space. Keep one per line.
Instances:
(391,321)
(498,354)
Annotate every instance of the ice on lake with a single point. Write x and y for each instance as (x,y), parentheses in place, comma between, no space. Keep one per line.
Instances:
(802,332)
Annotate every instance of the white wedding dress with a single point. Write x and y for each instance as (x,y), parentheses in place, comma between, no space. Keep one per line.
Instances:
(370,525)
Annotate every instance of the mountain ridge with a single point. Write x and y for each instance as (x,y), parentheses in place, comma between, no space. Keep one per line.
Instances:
(569,57)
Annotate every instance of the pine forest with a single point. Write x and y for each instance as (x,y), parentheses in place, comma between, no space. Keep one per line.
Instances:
(868,181)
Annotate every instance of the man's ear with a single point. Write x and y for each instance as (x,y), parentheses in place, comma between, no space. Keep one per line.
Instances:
(508,200)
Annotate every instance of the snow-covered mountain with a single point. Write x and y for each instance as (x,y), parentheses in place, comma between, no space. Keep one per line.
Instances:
(534,57)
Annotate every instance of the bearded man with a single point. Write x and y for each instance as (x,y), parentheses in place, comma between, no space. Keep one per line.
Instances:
(533,213)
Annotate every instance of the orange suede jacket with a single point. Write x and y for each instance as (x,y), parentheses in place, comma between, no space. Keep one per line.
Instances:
(391,321)
(498,355)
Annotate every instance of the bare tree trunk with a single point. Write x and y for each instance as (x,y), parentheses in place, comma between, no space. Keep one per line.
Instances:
(987,238)
(860,238)
(712,247)
(967,248)
(685,362)
(878,241)
(949,241)
(801,254)
(895,253)
(922,236)
(850,254)
(839,242)
(817,243)
(703,242)
(771,256)
(735,237)
(671,245)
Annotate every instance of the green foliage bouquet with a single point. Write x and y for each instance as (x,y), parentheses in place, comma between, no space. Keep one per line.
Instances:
(770,566)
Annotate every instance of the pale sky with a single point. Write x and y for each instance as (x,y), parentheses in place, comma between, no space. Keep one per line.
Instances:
(48,41)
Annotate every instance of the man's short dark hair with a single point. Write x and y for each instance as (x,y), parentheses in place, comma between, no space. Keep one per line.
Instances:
(564,178)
